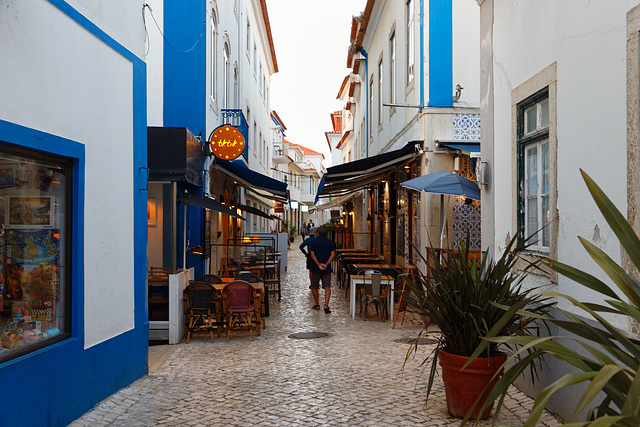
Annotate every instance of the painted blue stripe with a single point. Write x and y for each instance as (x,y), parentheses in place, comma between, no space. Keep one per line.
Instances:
(440,53)
(73,379)
(186,98)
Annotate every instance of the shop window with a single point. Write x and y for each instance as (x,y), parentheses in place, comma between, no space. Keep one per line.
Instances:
(34,244)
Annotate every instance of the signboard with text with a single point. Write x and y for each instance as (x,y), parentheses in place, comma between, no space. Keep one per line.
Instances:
(226,142)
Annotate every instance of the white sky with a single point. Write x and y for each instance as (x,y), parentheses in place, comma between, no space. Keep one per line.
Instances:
(311,40)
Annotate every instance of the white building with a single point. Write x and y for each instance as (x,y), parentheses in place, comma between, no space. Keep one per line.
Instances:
(559,94)
(213,69)
(413,88)
(73,203)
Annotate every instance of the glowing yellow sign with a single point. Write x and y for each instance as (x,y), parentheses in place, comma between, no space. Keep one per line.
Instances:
(226,142)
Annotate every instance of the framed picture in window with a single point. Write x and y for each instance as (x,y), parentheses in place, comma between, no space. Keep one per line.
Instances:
(29,212)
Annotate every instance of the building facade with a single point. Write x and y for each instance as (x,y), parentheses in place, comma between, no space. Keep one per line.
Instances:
(73,201)
(210,64)
(557,99)
(412,96)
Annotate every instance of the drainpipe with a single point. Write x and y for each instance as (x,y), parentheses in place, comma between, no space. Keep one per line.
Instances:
(421,54)
(366,84)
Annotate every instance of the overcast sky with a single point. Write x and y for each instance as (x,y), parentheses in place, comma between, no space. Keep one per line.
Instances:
(311,39)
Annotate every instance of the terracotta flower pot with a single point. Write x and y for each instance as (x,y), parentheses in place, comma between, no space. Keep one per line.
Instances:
(462,387)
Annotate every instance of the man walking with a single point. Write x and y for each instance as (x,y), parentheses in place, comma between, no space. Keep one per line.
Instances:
(303,245)
(322,251)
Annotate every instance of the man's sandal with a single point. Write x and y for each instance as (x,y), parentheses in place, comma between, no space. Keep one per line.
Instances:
(327,309)
(316,307)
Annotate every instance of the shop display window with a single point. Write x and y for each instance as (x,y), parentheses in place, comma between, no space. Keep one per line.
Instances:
(34,250)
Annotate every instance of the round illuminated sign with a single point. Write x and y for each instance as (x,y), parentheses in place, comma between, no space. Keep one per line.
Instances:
(226,142)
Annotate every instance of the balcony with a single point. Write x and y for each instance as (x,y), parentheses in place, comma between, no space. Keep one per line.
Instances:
(279,155)
(236,119)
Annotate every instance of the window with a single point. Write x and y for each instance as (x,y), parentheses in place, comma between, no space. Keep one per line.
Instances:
(371,108)
(392,68)
(35,295)
(248,36)
(226,77)
(236,101)
(410,43)
(380,91)
(533,170)
(213,57)
(255,59)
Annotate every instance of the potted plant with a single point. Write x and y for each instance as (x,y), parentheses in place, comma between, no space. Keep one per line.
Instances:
(292,233)
(464,298)
(608,362)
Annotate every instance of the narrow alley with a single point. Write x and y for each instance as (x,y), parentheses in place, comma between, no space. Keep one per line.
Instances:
(352,376)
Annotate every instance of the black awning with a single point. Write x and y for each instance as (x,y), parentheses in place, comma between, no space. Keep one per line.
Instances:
(207,203)
(174,154)
(254,181)
(349,177)
(275,217)
(254,211)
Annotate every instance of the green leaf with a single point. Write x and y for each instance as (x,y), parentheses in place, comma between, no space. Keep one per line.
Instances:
(616,220)
(597,384)
(581,277)
(613,270)
(544,396)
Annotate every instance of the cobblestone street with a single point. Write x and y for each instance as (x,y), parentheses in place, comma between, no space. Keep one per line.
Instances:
(353,376)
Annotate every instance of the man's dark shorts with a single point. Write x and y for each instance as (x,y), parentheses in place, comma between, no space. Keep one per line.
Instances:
(323,277)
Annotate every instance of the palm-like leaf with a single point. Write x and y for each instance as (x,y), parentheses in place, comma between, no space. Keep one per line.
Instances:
(610,359)
(467,299)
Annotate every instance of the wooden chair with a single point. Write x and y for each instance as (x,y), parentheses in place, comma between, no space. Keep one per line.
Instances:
(414,275)
(200,299)
(273,283)
(240,306)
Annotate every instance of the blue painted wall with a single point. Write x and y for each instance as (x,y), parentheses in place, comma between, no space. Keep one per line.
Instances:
(440,53)
(186,98)
(69,380)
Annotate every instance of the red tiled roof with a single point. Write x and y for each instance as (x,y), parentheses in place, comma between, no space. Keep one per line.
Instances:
(277,117)
(305,150)
(265,16)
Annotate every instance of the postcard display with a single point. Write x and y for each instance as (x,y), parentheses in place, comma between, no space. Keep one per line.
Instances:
(30,250)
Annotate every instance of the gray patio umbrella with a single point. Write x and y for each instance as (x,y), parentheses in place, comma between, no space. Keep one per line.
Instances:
(444,183)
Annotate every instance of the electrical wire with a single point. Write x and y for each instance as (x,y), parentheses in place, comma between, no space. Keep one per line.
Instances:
(145,5)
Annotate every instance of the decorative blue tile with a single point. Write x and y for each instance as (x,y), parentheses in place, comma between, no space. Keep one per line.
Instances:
(466,126)
(466,218)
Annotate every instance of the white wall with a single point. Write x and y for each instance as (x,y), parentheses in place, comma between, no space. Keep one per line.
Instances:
(154,58)
(588,42)
(466,51)
(79,96)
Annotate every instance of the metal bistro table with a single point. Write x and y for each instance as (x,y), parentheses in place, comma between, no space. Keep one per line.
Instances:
(360,278)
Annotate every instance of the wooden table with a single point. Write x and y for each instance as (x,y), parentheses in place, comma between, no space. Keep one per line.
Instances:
(371,266)
(359,279)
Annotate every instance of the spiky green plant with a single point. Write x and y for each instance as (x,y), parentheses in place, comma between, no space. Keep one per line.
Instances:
(609,362)
(465,298)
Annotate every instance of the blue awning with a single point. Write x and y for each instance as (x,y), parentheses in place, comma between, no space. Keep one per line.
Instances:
(254,181)
(471,146)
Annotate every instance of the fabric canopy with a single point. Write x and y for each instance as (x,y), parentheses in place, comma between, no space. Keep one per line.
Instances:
(471,146)
(207,203)
(347,178)
(254,211)
(254,181)
(444,182)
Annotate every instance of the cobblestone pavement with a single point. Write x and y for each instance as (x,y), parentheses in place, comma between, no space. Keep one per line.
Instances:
(353,377)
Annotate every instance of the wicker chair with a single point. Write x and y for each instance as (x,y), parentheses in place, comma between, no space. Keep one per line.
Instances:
(240,308)
(200,297)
